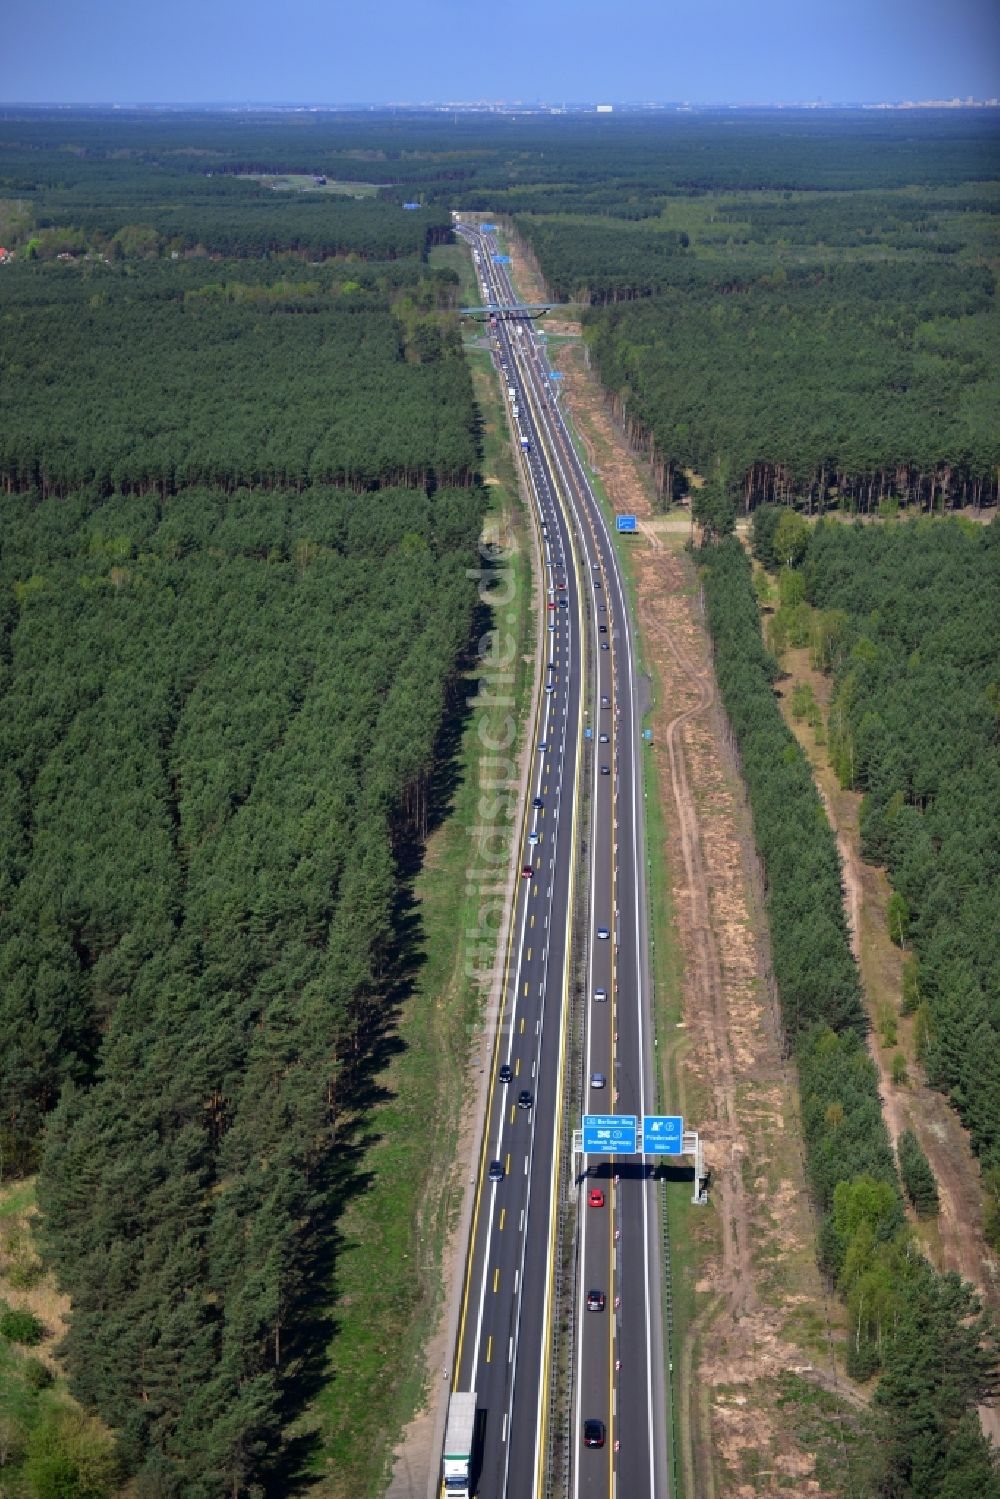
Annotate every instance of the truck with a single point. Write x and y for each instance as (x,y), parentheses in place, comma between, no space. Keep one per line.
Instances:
(526,443)
(458,1441)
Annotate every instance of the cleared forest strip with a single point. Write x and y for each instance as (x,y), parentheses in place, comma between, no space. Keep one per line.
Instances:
(954,1239)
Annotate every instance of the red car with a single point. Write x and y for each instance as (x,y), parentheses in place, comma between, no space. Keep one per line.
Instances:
(595,1197)
(527,871)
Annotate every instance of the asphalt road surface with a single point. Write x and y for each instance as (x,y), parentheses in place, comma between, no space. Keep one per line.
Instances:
(587,749)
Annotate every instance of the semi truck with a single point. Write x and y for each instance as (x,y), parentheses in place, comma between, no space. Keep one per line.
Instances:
(458,1441)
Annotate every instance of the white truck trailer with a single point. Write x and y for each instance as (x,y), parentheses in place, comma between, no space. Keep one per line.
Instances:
(458,1441)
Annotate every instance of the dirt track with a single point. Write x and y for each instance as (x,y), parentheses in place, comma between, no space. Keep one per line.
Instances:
(953,1241)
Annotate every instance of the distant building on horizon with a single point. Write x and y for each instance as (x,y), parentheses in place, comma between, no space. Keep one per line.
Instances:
(605,109)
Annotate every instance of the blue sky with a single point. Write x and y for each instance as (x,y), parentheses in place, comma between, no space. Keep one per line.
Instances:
(308,51)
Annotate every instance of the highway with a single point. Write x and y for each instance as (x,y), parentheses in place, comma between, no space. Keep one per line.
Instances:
(581,854)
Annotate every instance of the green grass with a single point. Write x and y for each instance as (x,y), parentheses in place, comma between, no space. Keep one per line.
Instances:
(388,1272)
(17,1198)
(303,183)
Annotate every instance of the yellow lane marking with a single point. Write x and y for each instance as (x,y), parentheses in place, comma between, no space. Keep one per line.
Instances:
(489,1349)
(496,1280)
(503,1214)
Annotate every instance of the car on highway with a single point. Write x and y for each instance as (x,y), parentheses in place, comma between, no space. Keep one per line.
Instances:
(549,687)
(605,770)
(496,1171)
(552,603)
(602,629)
(593,1433)
(536,802)
(564,603)
(527,870)
(505,1073)
(601,995)
(605,700)
(597,1080)
(552,624)
(595,1197)
(605,646)
(596,1301)
(525,1100)
(603,934)
(604,738)
(543,744)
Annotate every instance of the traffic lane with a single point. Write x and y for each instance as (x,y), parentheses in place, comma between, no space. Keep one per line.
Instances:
(507,1264)
(632,1379)
(531,1353)
(521,914)
(534,1246)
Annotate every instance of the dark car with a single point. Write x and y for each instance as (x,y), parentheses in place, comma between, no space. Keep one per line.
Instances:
(496,1171)
(605,700)
(504,1074)
(605,770)
(595,1301)
(527,870)
(536,802)
(525,1099)
(602,629)
(593,1433)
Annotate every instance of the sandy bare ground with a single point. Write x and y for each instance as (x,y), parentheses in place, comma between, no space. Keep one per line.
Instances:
(953,1241)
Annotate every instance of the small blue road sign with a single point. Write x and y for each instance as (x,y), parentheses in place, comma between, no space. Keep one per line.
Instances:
(662,1134)
(487,228)
(555,374)
(588,733)
(609,1134)
(501,260)
(624,522)
(411,205)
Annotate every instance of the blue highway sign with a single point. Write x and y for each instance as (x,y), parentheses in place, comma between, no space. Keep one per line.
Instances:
(487,228)
(555,374)
(624,522)
(609,1134)
(501,260)
(662,1134)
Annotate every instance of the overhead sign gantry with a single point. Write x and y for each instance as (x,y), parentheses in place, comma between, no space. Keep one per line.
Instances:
(509,310)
